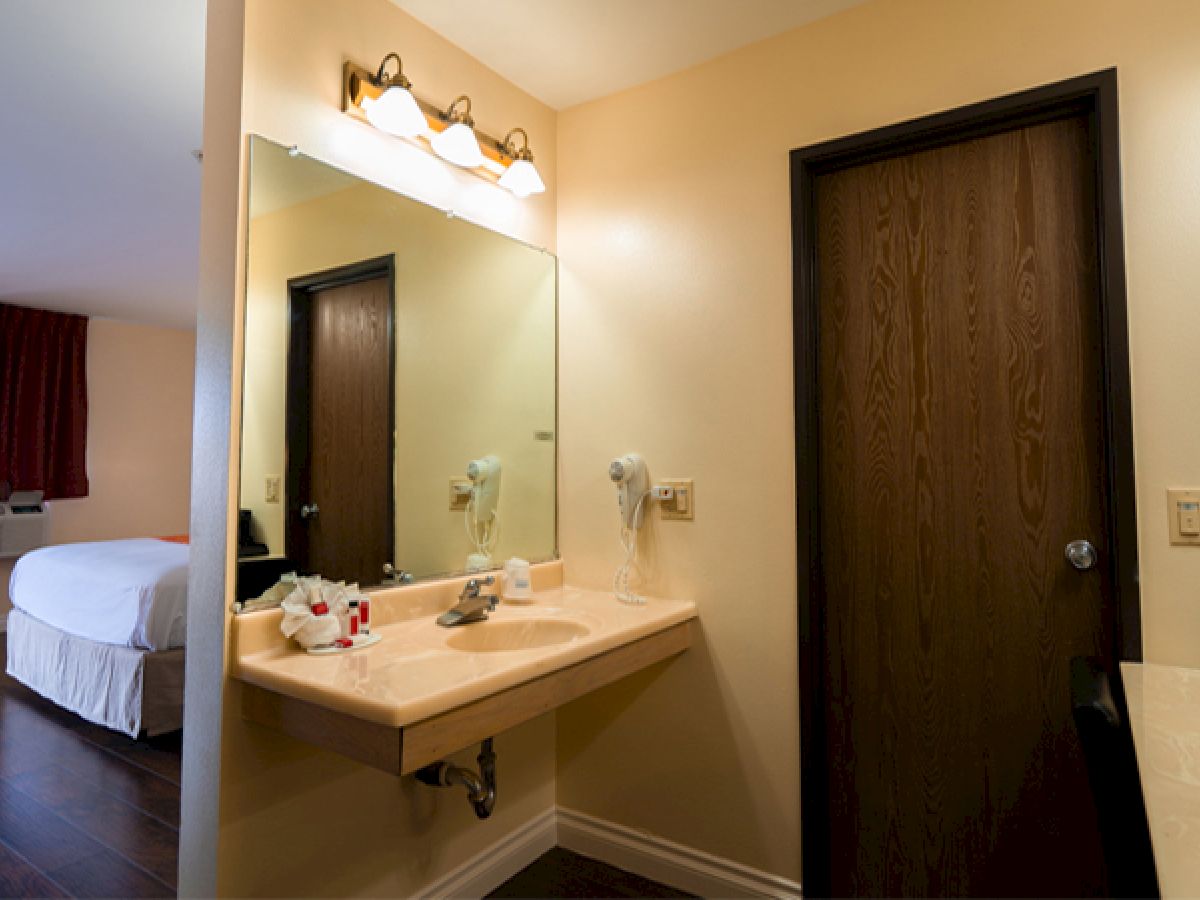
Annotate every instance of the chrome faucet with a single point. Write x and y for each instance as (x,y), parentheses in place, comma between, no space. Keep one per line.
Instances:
(472,606)
(392,575)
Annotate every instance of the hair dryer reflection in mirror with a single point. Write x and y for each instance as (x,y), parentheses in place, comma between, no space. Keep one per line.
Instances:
(482,515)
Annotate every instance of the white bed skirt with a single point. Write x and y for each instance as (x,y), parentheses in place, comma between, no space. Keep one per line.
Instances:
(122,688)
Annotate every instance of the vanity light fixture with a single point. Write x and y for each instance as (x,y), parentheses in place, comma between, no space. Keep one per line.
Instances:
(385,100)
(521,177)
(457,143)
(395,110)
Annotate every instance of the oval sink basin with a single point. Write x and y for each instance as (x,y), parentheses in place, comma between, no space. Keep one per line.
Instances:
(525,634)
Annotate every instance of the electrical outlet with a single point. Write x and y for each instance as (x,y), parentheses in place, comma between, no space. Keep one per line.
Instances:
(682,504)
(1183,512)
(460,494)
(274,488)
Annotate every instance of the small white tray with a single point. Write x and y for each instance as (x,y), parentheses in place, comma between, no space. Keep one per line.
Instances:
(359,643)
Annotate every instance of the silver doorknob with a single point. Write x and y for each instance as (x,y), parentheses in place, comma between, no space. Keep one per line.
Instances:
(1082,555)
(309,511)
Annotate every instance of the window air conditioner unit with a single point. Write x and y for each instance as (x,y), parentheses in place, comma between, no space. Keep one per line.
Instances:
(22,523)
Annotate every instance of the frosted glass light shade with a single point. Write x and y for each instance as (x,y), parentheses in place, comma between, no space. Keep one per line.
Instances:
(522,179)
(395,112)
(457,144)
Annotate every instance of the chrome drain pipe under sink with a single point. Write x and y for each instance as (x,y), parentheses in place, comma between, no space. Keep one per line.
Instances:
(481,786)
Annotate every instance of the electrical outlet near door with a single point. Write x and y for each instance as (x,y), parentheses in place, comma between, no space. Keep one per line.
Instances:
(1183,512)
(274,488)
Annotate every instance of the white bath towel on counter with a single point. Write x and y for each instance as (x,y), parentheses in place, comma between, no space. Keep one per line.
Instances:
(131,593)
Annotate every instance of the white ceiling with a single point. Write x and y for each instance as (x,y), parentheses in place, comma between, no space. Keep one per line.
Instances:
(566,52)
(100,110)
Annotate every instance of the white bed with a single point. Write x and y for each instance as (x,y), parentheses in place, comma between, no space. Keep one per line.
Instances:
(99,629)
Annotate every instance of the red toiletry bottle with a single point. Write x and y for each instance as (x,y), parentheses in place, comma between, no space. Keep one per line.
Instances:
(354,618)
(364,614)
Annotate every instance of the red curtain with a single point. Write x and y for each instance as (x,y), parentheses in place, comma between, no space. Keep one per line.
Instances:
(43,401)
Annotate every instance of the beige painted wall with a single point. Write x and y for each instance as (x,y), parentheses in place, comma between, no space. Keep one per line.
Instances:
(681,228)
(475,363)
(294,820)
(667,233)
(139,439)
(208,696)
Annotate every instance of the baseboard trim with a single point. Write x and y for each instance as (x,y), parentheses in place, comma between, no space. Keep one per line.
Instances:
(626,848)
(494,865)
(665,861)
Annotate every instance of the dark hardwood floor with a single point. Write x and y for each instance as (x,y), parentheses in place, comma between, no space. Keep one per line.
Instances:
(87,812)
(561,873)
(84,811)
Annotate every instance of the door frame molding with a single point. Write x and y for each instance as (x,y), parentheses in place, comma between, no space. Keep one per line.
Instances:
(1094,96)
(301,291)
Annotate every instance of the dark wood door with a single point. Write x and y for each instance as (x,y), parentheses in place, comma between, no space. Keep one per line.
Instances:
(347,465)
(962,447)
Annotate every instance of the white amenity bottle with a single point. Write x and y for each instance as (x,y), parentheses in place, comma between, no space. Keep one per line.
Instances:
(518,583)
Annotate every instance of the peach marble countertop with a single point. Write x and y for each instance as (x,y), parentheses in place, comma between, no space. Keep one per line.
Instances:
(414,673)
(1164,715)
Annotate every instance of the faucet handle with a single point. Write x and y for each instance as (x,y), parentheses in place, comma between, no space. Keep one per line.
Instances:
(472,587)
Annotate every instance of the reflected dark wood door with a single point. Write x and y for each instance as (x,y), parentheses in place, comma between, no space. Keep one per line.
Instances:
(349,474)
(961,443)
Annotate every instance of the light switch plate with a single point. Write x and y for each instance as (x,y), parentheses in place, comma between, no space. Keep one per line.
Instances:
(460,494)
(683,505)
(1183,515)
(273,489)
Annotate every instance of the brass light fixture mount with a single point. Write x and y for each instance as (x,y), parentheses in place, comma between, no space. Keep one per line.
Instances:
(521,177)
(453,115)
(512,151)
(383,79)
(359,83)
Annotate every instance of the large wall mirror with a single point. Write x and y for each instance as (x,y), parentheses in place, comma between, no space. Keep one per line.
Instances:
(398,414)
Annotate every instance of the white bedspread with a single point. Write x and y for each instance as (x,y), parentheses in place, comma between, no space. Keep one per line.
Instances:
(131,593)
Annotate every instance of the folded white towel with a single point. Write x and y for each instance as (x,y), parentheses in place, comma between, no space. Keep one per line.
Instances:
(308,628)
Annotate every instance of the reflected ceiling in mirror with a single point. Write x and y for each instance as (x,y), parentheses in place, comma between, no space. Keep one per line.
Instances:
(388,346)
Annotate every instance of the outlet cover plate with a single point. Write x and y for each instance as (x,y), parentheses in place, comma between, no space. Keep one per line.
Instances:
(459,500)
(681,507)
(1176,496)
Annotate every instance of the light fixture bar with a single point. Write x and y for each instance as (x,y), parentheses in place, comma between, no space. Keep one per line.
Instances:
(358,84)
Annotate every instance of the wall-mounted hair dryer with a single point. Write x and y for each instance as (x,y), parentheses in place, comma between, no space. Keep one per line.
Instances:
(484,474)
(629,474)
